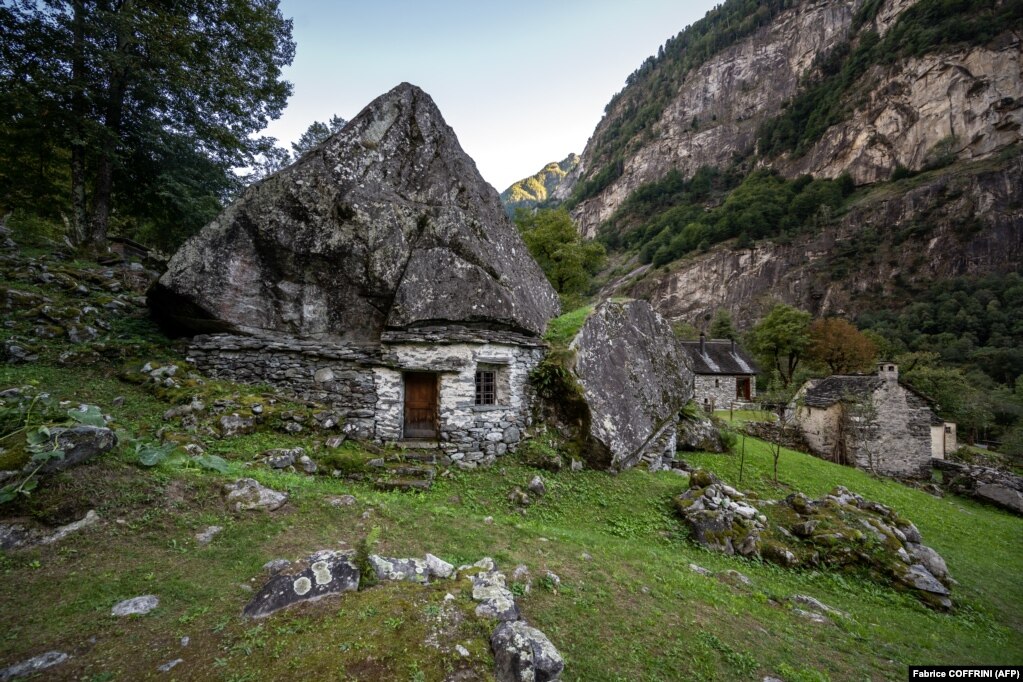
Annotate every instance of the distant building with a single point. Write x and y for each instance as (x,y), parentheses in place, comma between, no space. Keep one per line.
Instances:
(725,374)
(872,422)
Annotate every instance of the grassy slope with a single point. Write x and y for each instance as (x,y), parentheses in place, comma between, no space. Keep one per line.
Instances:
(634,611)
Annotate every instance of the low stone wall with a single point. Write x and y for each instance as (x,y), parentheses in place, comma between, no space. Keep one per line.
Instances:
(985,483)
(365,384)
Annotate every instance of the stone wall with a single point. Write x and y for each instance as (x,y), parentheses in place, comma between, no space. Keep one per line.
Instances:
(892,436)
(364,382)
(719,390)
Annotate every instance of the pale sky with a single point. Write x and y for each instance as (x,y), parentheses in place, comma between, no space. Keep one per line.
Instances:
(522,83)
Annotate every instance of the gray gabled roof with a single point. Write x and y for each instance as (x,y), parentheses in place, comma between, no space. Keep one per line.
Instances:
(833,389)
(719,356)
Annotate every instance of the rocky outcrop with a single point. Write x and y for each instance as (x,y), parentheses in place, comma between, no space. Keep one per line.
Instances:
(840,531)
(634,380)
(716,113)
(387,224)
(697,433)
(963,221)
(960,105)
(991,485)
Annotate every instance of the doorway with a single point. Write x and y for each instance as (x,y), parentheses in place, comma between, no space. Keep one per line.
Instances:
(420,405)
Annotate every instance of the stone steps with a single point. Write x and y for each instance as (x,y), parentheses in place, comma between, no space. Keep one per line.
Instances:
(408,470)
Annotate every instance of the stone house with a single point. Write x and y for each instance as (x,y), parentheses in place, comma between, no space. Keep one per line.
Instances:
(869,421)
(724,373)
(377,274)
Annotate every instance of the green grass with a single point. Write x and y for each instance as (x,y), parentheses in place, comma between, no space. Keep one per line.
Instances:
(628,607)
(561,330)
(633,611)
(738,417)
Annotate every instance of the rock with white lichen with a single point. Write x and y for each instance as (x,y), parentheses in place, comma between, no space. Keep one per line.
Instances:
(411,570)
(524,654)
(320,575)
(136,606)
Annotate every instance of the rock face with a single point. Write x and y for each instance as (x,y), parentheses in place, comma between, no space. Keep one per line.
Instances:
(728,97)
(387,224)
(634,379)
(815,272)
(963,104)
(523,653)
(536,189)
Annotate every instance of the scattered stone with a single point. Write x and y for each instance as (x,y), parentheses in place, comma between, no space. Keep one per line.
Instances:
(733,577)
(335,441)
(522,653)
(387,568)
(811,616)
(293,427)
(519,497)
(438,568)
(488,520)
(319,575)
(79,443)
(342,501)
(700,569)
(118,401)
(282,458)
(586,556)
(551,580)
(816,605)
(234,425)
(166,667)
(307,464)
(33,665)
(495,599)
(537,487)
(462,651)
(185,641)
(90,518)
(136,606)
(206,535)
(577,465)
(248,494)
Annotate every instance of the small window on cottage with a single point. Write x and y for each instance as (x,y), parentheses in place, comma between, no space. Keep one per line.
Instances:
(486,387)
(948,429)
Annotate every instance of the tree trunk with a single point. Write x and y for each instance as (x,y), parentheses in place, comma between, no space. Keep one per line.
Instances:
(79,215)
(113,113)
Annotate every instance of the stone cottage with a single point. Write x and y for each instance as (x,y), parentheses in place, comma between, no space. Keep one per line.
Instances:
(725,374)
(380,274)
(869,421)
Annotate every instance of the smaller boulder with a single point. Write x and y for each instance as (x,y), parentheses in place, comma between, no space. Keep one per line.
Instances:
(537,486)
(234,425)
(136,606)
(438,568)
(522,653)
(80,444)
(282,458)
(411,570)
(320,575)
(33,665)
(247,494)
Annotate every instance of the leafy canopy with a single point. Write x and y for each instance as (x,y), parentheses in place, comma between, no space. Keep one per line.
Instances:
(568,261)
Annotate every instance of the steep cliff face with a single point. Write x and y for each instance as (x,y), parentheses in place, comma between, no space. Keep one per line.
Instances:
(953,104)
(963,220)
(718,108)
(964,105)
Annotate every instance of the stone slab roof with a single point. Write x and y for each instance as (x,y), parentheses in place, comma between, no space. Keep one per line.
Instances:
(719,356)
(833,389)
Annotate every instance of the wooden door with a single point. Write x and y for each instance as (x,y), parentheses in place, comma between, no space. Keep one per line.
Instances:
(420,405)
(742,389)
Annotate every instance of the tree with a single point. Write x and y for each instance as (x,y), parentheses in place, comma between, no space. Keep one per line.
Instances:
(316,133)
(118,83)
(721,327)
(840,347)
(780,340)
(568,261)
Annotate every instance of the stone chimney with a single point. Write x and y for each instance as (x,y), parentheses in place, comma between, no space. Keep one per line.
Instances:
(703,343)
(888,371)
(733,346)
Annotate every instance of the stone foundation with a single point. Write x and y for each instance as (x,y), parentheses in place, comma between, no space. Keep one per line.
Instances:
(364,382)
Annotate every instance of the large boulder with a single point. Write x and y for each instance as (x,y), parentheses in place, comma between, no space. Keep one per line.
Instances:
(80,444)
(387,224)
(320,575)
(635,379)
